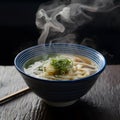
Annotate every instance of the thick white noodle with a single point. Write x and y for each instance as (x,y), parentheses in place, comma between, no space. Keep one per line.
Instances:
(82,67)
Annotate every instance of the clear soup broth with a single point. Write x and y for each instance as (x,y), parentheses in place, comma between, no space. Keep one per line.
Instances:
(60,67)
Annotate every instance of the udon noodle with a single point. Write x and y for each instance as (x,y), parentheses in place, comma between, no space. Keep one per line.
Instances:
(62,67)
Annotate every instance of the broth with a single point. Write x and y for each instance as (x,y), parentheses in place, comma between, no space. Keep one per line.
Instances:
(60,67)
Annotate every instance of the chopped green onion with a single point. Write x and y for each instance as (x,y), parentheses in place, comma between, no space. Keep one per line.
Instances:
(62,65)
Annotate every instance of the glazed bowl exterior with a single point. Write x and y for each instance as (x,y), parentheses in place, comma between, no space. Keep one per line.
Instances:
(58,91)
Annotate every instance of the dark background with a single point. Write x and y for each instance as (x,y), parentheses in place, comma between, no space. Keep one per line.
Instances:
(18,30)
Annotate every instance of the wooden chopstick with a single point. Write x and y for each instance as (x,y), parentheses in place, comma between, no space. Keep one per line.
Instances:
(13,95)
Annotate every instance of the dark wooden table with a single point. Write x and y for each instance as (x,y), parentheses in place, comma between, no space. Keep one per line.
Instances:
(102,102)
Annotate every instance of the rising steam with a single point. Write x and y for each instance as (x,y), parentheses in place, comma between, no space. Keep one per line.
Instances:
(65,18)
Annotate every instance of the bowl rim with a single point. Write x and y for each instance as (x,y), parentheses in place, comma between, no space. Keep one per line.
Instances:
(48,80)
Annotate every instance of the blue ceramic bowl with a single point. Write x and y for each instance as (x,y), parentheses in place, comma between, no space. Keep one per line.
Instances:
(60,93)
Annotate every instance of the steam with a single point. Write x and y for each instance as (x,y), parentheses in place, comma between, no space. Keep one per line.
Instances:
(65,18)
(45,22)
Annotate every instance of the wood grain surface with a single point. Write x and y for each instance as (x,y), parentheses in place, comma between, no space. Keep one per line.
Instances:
(102,102)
